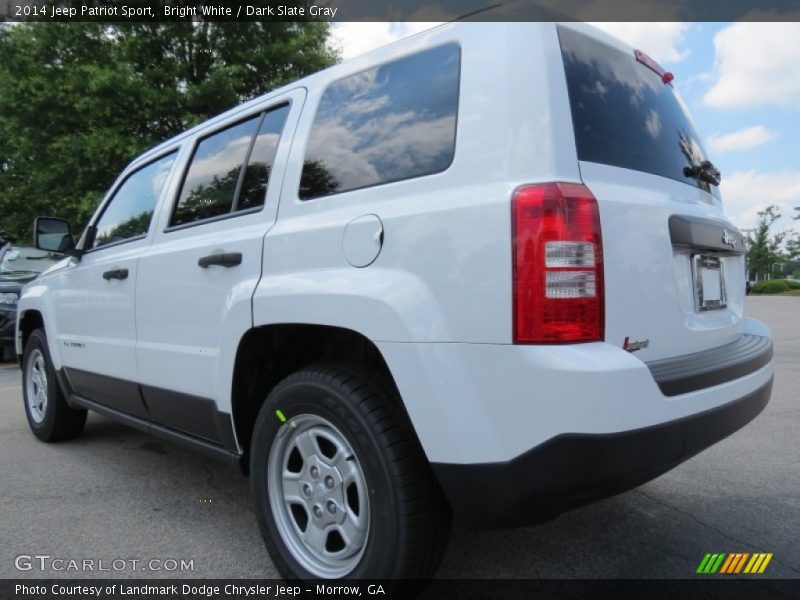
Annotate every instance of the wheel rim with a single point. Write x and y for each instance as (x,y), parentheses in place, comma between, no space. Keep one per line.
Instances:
(318,496)
(36,383)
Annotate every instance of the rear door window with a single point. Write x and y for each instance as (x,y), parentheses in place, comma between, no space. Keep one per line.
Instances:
(253,189)
(229,171)
(213,174)
(624,115)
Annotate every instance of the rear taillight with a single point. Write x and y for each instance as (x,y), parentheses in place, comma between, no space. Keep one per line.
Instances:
(558,265)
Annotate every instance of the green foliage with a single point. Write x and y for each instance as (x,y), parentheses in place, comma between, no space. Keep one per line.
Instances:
(80,100)
(764,252)
(775,286)
(770,286)
(793,250)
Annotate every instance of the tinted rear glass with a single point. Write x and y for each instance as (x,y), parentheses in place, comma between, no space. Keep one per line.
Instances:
(624,115)
(389,123)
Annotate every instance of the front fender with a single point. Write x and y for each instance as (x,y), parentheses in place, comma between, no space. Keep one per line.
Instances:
(35,297)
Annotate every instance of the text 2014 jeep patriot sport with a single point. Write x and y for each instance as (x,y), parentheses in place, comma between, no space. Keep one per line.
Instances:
(484,271)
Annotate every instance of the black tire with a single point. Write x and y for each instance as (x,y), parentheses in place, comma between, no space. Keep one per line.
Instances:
(60,421)
(409,524)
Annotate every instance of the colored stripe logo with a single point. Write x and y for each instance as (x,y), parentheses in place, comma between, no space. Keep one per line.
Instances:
(735,562)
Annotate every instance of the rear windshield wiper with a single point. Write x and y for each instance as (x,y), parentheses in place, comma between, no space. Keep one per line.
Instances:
(705,171)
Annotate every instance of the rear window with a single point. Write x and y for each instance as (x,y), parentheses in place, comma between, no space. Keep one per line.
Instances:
(624,115)
(389,123)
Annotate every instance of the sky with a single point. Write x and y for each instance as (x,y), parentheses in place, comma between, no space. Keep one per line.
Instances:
(741,82)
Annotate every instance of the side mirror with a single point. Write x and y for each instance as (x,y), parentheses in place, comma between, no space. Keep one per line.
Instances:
(53,235)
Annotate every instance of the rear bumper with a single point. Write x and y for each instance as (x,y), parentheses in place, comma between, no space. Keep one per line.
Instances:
(701,370)
(519,433)
(570,469)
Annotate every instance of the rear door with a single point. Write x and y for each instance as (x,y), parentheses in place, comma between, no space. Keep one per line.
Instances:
(196,281)
(674,265)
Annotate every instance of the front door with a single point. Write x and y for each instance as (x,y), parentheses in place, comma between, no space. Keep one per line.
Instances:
(94,301)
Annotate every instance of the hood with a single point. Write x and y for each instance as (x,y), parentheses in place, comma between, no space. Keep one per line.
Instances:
(14,283)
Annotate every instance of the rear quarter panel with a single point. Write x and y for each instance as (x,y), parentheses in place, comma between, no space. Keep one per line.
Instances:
(444,272)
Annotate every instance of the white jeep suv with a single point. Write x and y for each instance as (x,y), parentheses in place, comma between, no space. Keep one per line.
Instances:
(484,271)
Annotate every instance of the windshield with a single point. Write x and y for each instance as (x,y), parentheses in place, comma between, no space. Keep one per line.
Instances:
(18,260)
(624,115)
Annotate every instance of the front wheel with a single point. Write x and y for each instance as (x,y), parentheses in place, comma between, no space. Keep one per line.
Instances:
(341,485)
(50,418)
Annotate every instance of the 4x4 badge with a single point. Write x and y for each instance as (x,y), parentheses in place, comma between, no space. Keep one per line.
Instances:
(728,238)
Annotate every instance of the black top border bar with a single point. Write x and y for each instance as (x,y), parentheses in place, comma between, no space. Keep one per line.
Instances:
(399,10)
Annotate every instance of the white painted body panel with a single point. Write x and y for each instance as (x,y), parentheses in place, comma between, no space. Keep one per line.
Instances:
(37,296)
(96,317)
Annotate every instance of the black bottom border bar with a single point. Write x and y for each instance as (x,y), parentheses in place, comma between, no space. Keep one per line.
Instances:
(700,586)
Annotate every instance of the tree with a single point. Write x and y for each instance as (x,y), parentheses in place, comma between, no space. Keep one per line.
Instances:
(80,100)
(764,252)
(793,255)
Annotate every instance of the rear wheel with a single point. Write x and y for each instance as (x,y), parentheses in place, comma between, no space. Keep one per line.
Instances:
(49,416)
(341,485)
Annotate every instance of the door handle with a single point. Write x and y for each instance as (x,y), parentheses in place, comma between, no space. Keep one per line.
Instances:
(115,274)
(223,259)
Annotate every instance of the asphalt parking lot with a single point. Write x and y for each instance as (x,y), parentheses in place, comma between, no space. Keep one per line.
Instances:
(115,493)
